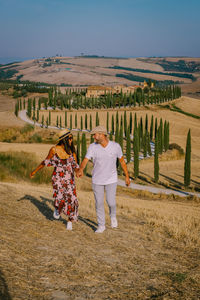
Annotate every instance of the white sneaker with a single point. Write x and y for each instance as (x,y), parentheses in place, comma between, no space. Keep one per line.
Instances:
(114,223)
(56,214)
(69,225)
(100,229)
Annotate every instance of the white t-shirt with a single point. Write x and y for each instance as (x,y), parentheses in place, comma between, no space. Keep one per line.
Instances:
(104,160)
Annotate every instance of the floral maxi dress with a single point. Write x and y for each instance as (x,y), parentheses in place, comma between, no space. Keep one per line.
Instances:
(64,189)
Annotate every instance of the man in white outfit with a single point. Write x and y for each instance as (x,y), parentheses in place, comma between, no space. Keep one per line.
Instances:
(104,154)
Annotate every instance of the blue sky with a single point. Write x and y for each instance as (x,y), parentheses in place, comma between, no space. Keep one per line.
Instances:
(128,28)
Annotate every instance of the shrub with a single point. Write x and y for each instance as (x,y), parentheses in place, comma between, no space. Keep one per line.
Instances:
(18,166)
(177,147)
(27,128)
(35,138)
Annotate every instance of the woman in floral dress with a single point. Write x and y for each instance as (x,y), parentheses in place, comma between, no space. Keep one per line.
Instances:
(63,158)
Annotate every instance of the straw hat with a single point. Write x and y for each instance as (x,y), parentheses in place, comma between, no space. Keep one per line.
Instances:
(63,134)
(99,129)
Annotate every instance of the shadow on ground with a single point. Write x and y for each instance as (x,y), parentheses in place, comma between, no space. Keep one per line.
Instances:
(4,292)
(47,212)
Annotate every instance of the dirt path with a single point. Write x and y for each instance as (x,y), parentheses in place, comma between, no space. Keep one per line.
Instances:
(39,259)
(7,117)
(156,190)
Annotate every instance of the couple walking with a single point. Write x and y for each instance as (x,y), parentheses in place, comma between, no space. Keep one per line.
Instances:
(104,154)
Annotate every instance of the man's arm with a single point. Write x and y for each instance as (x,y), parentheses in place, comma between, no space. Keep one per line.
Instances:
(124,167)
(82,167)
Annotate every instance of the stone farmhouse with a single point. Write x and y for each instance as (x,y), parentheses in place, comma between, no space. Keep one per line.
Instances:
(97,91)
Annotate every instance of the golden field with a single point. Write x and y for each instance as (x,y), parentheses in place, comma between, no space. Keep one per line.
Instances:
(153,254)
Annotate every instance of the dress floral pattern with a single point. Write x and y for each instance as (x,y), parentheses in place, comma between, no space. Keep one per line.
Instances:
(64,189)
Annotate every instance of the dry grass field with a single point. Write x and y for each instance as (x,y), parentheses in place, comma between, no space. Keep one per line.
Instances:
(98,71)
(154,254)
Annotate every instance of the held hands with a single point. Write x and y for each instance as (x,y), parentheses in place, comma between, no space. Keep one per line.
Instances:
(79,173)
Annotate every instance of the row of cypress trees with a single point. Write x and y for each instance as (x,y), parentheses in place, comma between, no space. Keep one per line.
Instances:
(77,100)
(72,100)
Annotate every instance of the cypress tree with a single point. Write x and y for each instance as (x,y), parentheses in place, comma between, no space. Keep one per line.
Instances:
(151,129)
(71,121)
(117,134)
(136,152)
(76,120)
(49,117)
(167,135)
(141,127)
(149,144)
(159,140)
(45,104)
(42,121)
(33,103)
(156,162)
(38,115)
(65,119)
(61,104)
(146,123)
(113,127)
(50,96)
(57,122)
(33,117)
(16,108)
(84,149)
(29,109)
(90,122)
(135,121)
(86,121)
(78,148)
(187,164)
(97,119)
(125,123)
(39,104)
(131,122)
(161,136)
(121,140)
(117,119)
(128,146)
(156,128)
(111,136)
(134,99)
(83,146)
(81,123)
(20,104)
(91,139)
(24,104)
(47,122)
(145,143)
(107,121)
(60,122)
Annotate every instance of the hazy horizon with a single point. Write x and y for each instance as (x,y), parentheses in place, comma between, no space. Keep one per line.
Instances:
(111,28)
(8,60)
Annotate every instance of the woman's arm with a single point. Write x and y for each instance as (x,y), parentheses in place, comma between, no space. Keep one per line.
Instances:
(52,151)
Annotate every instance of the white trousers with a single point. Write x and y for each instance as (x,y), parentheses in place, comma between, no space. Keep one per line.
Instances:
(99,201)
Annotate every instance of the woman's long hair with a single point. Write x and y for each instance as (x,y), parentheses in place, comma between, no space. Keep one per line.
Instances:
(69,149)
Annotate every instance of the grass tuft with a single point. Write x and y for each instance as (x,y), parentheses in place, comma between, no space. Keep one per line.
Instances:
(15,166)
